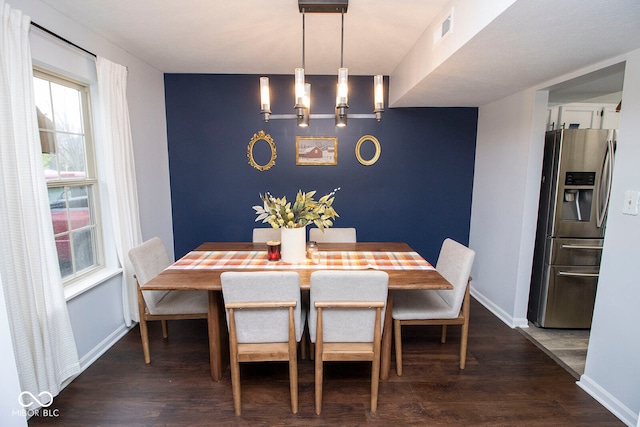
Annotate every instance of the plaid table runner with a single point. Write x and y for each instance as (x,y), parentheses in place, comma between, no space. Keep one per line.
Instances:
(339,260)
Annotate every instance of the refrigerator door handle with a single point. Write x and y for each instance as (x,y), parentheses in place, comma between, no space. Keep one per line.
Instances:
(572,274)
(599,248)
(606,175)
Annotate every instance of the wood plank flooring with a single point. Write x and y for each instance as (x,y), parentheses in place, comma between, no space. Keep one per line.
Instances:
(508,381)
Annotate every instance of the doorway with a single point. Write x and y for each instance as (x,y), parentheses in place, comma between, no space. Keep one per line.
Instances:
(593,100)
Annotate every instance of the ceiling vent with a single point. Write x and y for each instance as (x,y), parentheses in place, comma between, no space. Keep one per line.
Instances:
(444,29)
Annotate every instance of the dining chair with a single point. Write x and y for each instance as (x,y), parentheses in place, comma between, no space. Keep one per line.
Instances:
(346,321)
(333,235)
(148,260)
(263,235)
(265,322)
(438,307)
(329,235)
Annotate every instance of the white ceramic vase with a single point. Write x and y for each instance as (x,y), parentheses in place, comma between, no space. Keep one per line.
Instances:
(294,244)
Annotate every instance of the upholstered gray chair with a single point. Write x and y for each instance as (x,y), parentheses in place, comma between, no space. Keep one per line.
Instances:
(263,235)
(148,260)
(333,235)
(438,307)
(265,322)
(345,321)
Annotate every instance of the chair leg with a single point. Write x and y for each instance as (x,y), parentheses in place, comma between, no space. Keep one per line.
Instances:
(463,345)
(235,383)
(375,363)
(318,383)
(463,342)
(144,335)
(375,382)
(165,330)
(319,365)
(466,308)
(293,364)
(234,364)
(397,335)
(144,331)
(443,338)
(293,384)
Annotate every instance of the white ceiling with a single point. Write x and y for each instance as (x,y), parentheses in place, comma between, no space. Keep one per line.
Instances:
(532,42)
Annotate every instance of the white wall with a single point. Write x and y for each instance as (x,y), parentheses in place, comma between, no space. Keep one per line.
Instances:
(504,209)
(505,199)
(612,371)
(97,319)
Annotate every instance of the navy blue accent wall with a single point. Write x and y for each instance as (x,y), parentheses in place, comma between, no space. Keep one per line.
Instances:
(419,191)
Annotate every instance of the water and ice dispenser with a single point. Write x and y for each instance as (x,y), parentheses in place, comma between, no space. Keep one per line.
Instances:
(578,200)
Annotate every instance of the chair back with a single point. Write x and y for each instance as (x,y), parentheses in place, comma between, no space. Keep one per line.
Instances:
(148,260)
(333,235)
(346,325)
(269,324)
(454,264)
(263,235)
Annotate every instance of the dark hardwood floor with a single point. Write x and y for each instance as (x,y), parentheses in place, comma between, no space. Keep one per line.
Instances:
(508,381)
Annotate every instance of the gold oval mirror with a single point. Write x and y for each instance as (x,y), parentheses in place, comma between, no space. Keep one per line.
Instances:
(261,136)
(376,155)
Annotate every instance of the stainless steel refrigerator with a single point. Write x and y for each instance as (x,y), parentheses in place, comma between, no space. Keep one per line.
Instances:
(574,197)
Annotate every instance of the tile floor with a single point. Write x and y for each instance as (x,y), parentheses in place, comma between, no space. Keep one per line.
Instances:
(568,347)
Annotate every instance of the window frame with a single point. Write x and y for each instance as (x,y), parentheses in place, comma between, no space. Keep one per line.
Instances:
(90,180)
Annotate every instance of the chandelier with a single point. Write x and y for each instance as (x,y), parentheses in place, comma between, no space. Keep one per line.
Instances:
(302,101)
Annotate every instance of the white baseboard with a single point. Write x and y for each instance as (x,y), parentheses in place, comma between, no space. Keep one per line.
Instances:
(103,346)
(100,349)
(608,401)
(497,311)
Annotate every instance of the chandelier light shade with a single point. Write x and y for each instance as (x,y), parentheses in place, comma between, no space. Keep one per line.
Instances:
(378,96)
(343,87)
(342,92)
(300,105)
(306,100)
(342,97)
(299,87)
(303,120)
(265,101)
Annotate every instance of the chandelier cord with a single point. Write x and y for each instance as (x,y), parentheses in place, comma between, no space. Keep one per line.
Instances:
(342,41)
(303,32)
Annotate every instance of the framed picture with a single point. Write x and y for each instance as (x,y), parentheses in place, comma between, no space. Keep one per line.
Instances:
(316,150)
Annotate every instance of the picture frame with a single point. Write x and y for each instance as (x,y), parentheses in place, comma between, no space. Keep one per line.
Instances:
(261,136)
(376,146)
(316,150)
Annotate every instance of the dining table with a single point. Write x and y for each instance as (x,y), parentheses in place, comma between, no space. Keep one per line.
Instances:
(200,269)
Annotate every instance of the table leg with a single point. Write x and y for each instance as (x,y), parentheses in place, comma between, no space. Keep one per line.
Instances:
(387,333)
(213,325)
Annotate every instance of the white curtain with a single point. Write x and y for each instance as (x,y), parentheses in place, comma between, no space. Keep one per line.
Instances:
(120,174)
(43,341)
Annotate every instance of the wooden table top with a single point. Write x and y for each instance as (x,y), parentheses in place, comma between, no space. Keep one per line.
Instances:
(209,279)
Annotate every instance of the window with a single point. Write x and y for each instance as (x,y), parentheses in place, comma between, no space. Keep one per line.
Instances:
(64,122)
